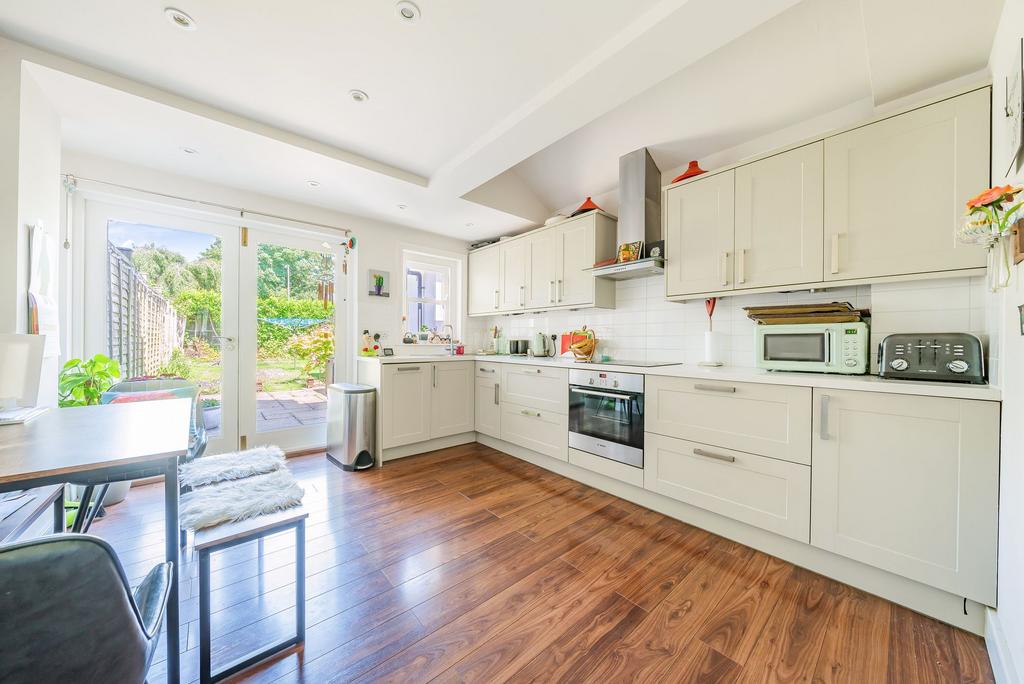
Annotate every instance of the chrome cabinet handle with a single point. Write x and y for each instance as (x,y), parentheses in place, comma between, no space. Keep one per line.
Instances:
(551,292)
(496,394)
(496,305)
(723,268)
(560,291)
(486,370)
(823,420)
(532,414)
(741,266)
(714,388)
(403,369)
(711,454)
(835,253)
(522,295)
(433,375)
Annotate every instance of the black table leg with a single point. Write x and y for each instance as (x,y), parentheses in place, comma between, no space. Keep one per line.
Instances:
(59,520)
(171,547)
(83,509)
(94,509)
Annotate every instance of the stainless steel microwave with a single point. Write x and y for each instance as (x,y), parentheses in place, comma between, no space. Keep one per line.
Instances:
(814,347)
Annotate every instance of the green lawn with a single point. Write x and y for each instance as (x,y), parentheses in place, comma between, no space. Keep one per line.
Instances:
(278,374)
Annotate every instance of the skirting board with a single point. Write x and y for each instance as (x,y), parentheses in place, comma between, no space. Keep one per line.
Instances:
(914,595)
(429,445)
(1004,669)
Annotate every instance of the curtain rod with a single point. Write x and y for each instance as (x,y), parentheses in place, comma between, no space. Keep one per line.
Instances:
(241,210)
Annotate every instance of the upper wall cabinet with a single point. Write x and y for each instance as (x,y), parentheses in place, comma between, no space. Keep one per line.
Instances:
(484,283)
(779,211)
(872,203)
(895,190)
(545,269)
(698,232)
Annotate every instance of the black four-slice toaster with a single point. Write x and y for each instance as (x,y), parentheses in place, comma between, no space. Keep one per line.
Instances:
(950,357)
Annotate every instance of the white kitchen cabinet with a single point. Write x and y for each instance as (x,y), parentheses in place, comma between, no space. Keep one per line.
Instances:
(514,271)
(770,420)
(536,387)
(698,228)
(895,190)
(488,400)
(779,219)
(452,398)
(405,403)
(540,430)
(909,484)
(483,282)
(764,492)
(544,271)
(580,243)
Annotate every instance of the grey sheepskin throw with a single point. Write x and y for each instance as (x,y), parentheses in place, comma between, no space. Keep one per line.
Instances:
(240,499)
(231,466)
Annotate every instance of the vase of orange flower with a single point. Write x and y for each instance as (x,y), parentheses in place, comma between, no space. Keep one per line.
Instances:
(989,221)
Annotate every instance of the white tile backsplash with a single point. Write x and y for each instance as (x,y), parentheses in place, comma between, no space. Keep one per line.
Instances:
(646,327)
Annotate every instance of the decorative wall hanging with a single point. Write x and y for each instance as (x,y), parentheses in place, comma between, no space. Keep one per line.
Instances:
(380,283)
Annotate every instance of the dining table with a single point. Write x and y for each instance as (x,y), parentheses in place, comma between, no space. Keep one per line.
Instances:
(98,445)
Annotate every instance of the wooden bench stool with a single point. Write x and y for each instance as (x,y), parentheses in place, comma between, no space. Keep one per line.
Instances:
(232,534)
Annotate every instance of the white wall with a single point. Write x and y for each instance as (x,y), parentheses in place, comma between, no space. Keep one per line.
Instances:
(1006,633)
(379,244)
(645,327)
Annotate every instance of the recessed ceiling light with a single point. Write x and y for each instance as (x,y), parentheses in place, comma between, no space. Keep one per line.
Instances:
(180,19)
(403,207)
(358,95)
(189,150)
(407,11)
(313,183)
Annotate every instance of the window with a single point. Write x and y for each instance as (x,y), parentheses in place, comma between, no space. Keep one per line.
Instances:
(429,302)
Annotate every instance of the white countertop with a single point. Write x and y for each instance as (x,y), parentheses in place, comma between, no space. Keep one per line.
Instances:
(864,383)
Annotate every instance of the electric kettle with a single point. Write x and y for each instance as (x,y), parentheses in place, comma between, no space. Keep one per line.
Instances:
(542,345)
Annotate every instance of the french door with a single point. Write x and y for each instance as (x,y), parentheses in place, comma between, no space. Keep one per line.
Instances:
(247,314)
(287,343)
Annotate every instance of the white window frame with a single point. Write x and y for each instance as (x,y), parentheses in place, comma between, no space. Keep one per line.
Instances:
(452,278)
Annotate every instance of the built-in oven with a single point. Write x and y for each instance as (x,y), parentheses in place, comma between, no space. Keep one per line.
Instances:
(606,415)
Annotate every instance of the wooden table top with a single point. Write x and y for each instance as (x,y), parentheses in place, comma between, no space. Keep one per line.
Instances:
(69,440)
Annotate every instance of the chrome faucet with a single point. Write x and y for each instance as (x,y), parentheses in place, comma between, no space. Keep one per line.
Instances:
(451,338)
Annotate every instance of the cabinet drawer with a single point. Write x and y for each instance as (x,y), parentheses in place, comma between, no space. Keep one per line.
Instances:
(545,389)
(485,369)
(764,492)
(770,420)
(542,431)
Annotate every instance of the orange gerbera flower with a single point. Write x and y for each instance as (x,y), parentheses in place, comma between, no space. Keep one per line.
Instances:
(993,195)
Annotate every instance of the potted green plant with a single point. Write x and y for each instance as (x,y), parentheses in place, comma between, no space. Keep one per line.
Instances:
(82,382)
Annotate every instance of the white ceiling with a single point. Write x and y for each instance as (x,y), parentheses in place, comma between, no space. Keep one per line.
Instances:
(524,107)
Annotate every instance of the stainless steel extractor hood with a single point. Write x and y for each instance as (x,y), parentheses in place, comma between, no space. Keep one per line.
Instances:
(639,214)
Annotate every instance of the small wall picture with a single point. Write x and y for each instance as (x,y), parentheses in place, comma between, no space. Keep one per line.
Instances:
(380,283)
(630,251)
(388,351)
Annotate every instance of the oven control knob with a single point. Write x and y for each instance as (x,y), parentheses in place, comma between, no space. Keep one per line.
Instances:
(615,383)
(591,381)
(899,364)
(958,366)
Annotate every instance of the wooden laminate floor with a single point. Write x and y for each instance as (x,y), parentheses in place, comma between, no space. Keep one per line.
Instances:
(470,565)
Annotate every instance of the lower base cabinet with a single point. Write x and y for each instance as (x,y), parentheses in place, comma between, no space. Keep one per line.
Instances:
(423,401)
(488,402)
(542,431)
(911,485)
(760,491)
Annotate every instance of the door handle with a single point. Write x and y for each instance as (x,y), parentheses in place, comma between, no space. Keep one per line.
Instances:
(552,292)
(486,370)
(496,401)
(496,304)
(532,414)
(823,419)
(723,267)
(433,378)
(560,291)
(835,253)
(711,454)
(403,369)
(714,388)
(741,266)
(522,295)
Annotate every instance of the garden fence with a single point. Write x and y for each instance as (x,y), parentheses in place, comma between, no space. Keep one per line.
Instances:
(143,327)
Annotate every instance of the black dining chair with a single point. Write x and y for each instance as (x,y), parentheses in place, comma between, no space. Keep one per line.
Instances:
(68,614)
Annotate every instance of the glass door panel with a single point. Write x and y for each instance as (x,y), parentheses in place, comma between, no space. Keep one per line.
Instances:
(161,300)
(288,346)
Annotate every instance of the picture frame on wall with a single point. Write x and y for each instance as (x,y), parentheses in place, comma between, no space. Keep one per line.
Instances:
(379,282)
(1013,109)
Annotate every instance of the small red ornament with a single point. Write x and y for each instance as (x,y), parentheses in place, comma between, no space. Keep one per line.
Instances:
(588,205)
(692,170)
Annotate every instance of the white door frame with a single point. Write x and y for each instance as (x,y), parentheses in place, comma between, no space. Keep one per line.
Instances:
(91,236)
